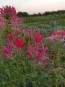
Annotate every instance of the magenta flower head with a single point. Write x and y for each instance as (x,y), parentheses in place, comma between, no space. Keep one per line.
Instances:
(37,52)
(8,51)
(8,12)
(11,37)
(38,37)
(19,42)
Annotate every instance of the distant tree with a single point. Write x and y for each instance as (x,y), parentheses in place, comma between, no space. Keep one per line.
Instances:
(25,14)
(46,13)
(19,14)
(22,14)
(34,15)
(39,14)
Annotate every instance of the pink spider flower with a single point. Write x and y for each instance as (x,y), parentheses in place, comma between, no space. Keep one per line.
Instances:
(19,42)
(16,23)
(38,37)
(37,52)
(8,11)
(57,35)
(13,11)
(8,51)
(11,37)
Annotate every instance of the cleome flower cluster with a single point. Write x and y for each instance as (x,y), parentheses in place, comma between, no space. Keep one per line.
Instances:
(22,40)
(36,51)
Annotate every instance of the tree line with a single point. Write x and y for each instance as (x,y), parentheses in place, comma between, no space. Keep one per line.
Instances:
(25,14)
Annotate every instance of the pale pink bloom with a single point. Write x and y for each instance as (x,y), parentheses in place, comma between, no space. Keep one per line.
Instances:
(30,33)
(22,30)
(58,35)
(53,37)
(17,23)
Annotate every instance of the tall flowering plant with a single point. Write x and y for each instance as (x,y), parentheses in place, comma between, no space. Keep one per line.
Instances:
(16,44)
(37,51)
(21,47)
(8,11)
(12,20)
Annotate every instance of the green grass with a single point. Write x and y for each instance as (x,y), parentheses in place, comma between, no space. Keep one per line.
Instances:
(45,20)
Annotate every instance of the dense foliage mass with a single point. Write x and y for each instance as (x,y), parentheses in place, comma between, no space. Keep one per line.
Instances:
(28,57)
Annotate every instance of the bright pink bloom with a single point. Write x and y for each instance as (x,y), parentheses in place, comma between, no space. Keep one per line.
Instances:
(11,37)
(37,52)
(38,37)
(9,11)
(19,42)
(7,51)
